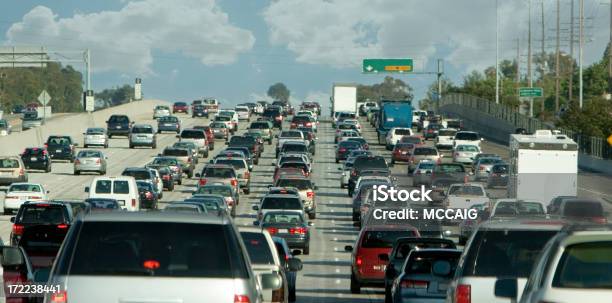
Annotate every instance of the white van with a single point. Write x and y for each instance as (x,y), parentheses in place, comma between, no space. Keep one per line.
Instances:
(121,188)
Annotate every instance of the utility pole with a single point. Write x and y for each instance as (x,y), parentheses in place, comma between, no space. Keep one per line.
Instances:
(610,54)
(518,63)
(580,51)
(544,57)
(571,54)
(529,76)
(557,61)
(496,53)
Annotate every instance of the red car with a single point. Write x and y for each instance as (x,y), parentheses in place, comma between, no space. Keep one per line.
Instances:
(402,152)
(372,248)
(180,107)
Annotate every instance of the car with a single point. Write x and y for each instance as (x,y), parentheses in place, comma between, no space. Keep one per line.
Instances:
(103,204)
(465,153)
(5,127)
(444,139)
(294,157)
(363,193)
(416,140)
(294,147)
(118,125)
(365,163)
(402,152)
(12,169)
(445,174)
(142,135)
(229,194)
(258,138)
(467,138)
(367,269)
(243,112)
(146,174)
(467,226)
(242,171)
(180,107)
(198,137)
(395,135)
(344,148)
(303,121)
(366,107)
(218,173)
(563,273)
(285,254)
(274,115)
(301,166)
(211,104)
(165,174)
(265,127)
(555,204)
(425,275)
(582,210)
(400,251)
(233,118)
(431,131)
(463,195)
(420,153)
(240,152)
(168,124)
(88,160)
(210,136)
(188,145)
(161,111)
(288,136)
(36,158)
(20,192)
(265,259)
(220,130)
(345,116)
(32,214)
(515,245)
(421,175)
(306,190)
(172,163)
(498,175)
(485,155)
(289,225)
(95,136)
(185,156)
(361,140)
(30,119)
(278,202)
(249,142)
(483,166)
(61,148)
(455,123)
(129,259)
(148,194)
(345,134)
(121,188)
(199,110)
(513,208)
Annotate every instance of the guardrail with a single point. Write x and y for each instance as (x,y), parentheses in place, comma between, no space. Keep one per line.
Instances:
(593,146)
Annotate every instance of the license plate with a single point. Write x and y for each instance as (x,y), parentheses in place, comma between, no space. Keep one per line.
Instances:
(200,114)
(403,153)
(168,124)
(33,159)
(118,127)
(58,150)
(379,267)
(283,231)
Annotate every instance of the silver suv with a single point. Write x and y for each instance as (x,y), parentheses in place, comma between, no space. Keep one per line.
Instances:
(151,255)
(143,135)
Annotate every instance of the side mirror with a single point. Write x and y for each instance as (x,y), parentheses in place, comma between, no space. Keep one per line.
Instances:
(86,189)
(255,207)
(12,256)
(256,223)
(197,175)
(296,252)
(12,219)
(383,257)
(506,288)
(348,248)
(270,281)
(294,264)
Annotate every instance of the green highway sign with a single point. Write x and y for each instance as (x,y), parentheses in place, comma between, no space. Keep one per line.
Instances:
(387,65)
(531,92)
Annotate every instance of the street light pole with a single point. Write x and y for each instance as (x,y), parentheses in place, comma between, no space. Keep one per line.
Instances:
(496,52)
(580,52)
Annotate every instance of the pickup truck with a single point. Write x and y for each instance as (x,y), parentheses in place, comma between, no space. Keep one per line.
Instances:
(464,195)
(30,120)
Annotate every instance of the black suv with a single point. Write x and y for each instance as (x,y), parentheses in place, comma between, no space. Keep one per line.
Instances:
(118,125)
(44,220)
(248,142)
(365,163)
(61,148)
(36,158)
(199,110)
(275,115)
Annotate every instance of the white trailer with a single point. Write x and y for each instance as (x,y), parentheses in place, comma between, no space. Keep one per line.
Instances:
(344,97)
(543,165)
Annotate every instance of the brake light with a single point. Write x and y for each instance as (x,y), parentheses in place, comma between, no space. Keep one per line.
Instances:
(62,226)
(298,230)
(18,229)
(414,284)
(463,293)
(481,168)
(342,149)
(202,182)
(35,197)
(46,145)
(366,146)
(234,182)
(166,177)
(309,124)
(279,118)
(600,220)
(21,172)
(353,173)
(150,264)
(246,175)
(133,202)
(358,260)
(241,299)
(59,297)
(98,161)
(310,194)
(272,230)
(188,160)
(148,195)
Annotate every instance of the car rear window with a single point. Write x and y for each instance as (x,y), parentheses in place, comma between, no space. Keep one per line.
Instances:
(142,130)
(521,208)
(165,161)
(24,188)
(104,186)
(211,204)
(121,187)
(449,168)
(273,217)
(89,154)
(236,163)
(260,125)
(180,103)
(143,185)
(582,209)
(349,144)
(138,174)
(193,134)
(467,148)
(119,119)
(370,163)
(258,248)
(224,191)
(500,168)
(33,152)
(383,238)
(281,203)
(515,252)
(287,147)
(218,172)
(43,214)
(176,152)
(58,141)
(423,262)
(290,134)
(467,136)
(585,265)
(103,203)
(403,132)
(242,140)
(9,163)
(300,184)
(216,125)
(156,249)
(420,151)
(466,190)
(168,119)
(446,132)
(489,160)
(300,119)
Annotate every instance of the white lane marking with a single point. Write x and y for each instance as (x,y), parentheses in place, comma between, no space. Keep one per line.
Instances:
(332,210)
(336,249)
(333,230)
(335,238)
(337,270)
(338,281)
(592,191)
(331,202)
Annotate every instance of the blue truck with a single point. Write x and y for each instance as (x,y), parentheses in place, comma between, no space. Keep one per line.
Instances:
(393,114)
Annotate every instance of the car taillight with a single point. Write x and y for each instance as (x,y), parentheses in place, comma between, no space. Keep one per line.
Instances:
(98,161)
(62,226)
(234,182)
(414,284)
(293,125)
(481,168)
(463,294)
(358,260)
(366,146)
(202,182)
(21,172)
(18,229)
(272,230)
(35,197)
(148,195)
(59,297)
(166,177)
(354,173)
(279,118)
(342,149)
(133,202)
(174,168)
(46,145)
(600,220)
(309,124)
(298,230)
(188,160)
(310,194)
(246,175)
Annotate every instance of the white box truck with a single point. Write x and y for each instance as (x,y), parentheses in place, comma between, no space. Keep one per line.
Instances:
(344,97)
(542,166)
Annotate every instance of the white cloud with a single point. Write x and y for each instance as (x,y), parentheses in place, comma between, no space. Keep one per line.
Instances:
(260,97)
(125,40)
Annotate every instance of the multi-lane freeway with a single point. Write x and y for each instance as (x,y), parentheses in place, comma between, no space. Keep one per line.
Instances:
(326,272)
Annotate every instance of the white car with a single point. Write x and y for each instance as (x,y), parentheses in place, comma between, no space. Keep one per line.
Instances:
(95,136)
(416,116)
(18,193)
(445,138)
(465,153)
(161,111)
(353,122)
(466,137)
(243,112)
(345,134)
(121,188)
(464,195)
(395,135)
(307,113)
(233,117)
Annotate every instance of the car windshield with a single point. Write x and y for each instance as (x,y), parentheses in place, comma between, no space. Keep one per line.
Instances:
(288,147)
(383,238)
(168,119)
(242,140)
(224,191)
(370,163)
(236,163)
(142,130)
(43,214)
(257,247)
(585,266)
(518,208)
(193,134)
(89,154)
(290,134)
(423,151)
(119,119)
(260,125)
(449,168)
(158,249)
(403,132)
(467,136)
(300,184)
(24,188)
(281,203)
(61,141)
(138,174)
(9,163)
(103,203)
(217,125)
(176,152)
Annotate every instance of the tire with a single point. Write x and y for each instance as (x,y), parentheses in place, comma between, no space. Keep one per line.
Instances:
(190,174)
(110,136)
(159,131)
(85,146)
(180,181)
(306,249)
(106,145)
(392,161)
(233,212)
(462,240)
(154,146)
(131,146)
(269,141)
(102,173)
(312,215)
(355,286)
(48,169)
(292,296)
(342,185)
(388,298)
(337,161)
(206,154)
(246,191)
(76,172)
(171,188)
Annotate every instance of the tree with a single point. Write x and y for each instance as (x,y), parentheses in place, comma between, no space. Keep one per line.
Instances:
(389,89)
(428,103)
(279,92)
(117,95)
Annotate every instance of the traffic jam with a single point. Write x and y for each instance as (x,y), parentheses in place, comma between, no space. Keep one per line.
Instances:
(240,207)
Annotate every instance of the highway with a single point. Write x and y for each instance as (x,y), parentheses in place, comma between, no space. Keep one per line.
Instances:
(326,272)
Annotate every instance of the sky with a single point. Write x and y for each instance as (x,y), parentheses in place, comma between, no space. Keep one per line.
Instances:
(235,49)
